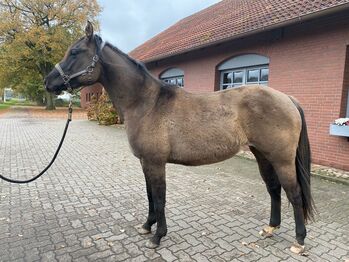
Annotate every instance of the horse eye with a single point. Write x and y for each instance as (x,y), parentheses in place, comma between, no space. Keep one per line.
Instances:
(74,51)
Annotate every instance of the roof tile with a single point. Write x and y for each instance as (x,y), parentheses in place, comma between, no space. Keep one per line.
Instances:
(225,20)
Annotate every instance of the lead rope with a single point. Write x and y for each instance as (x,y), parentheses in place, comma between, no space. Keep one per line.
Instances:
(70,112)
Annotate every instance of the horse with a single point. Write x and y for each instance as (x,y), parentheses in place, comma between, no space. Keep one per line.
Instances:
(166,124)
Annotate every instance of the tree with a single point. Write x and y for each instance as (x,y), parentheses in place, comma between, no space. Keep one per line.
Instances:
(34,35)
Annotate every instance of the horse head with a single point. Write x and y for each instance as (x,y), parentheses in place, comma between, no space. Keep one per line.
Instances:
(79,67)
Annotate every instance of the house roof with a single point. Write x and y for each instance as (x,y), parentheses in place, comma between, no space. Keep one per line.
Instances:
(228,20)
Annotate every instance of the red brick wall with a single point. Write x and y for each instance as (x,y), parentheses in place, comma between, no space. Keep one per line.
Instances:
(306,61)
(88,91)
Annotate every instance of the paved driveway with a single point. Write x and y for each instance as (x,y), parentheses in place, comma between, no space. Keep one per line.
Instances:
(86,207)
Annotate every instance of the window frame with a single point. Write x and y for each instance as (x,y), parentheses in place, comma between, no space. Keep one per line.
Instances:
(245,74)
(176,78)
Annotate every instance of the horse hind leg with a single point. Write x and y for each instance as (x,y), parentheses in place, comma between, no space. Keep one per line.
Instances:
(274,189)
(288,179)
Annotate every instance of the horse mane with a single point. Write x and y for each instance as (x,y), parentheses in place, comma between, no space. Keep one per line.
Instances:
(140,66)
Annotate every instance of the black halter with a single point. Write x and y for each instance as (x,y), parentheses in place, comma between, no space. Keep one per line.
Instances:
(87,71)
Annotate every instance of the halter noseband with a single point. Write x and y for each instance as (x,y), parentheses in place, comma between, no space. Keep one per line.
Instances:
(88,70)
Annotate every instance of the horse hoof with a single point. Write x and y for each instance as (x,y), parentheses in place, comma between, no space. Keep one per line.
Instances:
(268,231)
(150,244)
(297,249)
(142,231)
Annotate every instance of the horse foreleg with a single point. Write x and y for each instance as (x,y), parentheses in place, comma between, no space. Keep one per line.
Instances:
(156,188)
(151,220)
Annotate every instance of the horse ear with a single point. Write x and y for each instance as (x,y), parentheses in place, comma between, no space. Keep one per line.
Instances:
(89,30)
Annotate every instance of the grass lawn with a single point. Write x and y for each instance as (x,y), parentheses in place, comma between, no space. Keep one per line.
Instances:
(4,106)
(14,102)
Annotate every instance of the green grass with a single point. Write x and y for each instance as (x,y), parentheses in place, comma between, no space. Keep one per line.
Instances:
(4,106)
(15,102)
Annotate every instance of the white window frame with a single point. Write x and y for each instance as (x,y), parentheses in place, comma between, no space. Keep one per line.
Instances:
(244,78)
(175,79)
(174,76)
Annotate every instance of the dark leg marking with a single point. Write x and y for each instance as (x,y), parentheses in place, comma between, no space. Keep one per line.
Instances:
(151,220)
(273,186)
(156,188)
(288,180)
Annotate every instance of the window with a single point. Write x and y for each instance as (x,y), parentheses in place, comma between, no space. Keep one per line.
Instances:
(264,75)
(253,76)
(244,69)
(173,76)
(179,81)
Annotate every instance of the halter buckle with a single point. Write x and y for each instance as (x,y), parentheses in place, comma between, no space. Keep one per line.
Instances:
(95,58)
(89,69)
(65,78)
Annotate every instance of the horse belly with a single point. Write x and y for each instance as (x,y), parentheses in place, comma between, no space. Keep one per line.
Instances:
(200,149)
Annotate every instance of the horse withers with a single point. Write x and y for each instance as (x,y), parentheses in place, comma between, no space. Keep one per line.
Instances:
(164,124)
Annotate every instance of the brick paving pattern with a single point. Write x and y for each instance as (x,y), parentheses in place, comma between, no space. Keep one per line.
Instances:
(87,205)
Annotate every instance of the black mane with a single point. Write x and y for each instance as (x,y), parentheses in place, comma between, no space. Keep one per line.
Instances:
(139,64)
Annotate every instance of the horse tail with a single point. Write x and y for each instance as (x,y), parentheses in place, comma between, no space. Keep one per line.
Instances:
(303,167)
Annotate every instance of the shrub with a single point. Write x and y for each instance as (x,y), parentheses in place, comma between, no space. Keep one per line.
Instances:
(102,110)
(106,113)
(92,109)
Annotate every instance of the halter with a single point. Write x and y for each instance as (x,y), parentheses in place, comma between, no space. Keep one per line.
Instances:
(87,71)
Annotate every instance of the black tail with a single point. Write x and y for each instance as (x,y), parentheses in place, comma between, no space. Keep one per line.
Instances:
(303,163)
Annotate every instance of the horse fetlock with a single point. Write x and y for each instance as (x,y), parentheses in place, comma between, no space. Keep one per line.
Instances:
(300,239)
(268,231)
(153,242)
(143,229)
(161,232)
(150,222)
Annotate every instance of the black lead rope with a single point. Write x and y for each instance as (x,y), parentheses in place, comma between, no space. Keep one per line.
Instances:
(70,111)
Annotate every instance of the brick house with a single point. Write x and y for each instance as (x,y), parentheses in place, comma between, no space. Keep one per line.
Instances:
(298,47)
(88,92)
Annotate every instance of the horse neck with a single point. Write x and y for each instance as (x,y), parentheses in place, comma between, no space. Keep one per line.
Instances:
(130,88)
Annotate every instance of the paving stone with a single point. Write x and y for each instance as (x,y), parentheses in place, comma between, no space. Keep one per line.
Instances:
(166,254)
(86,207)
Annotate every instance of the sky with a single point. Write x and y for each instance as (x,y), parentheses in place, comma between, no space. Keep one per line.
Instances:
(129,23)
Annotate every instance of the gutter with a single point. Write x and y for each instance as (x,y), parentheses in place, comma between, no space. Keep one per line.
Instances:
(292,21)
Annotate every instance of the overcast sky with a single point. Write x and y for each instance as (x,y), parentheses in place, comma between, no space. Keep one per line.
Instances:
(128,23)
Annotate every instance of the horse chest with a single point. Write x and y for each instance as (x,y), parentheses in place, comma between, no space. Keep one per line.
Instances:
(145,142)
